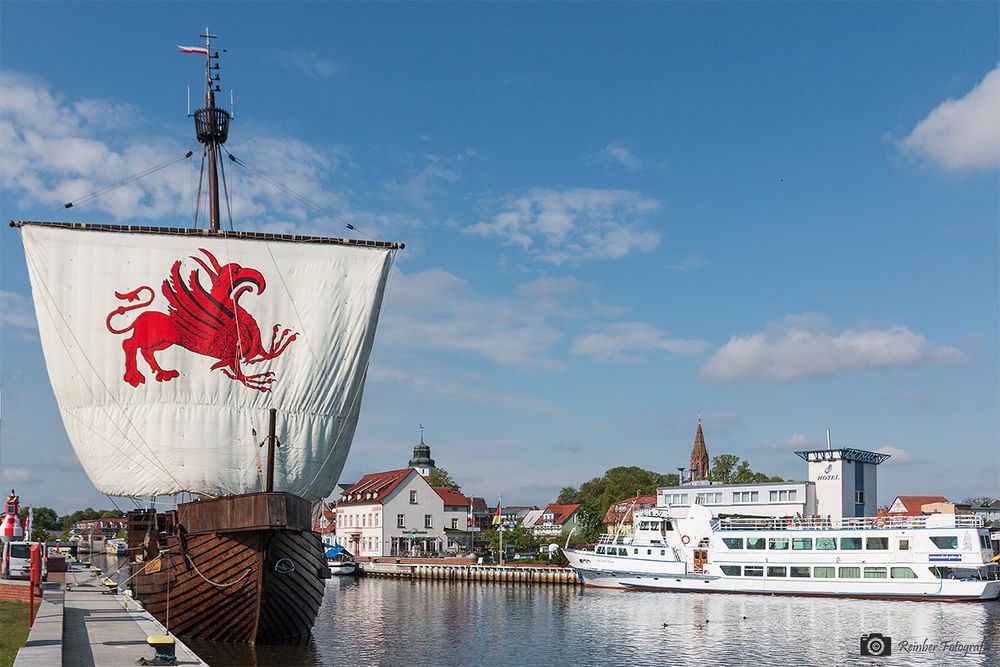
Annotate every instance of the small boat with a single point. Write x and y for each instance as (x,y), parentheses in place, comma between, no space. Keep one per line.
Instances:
(340,561)
(116,547)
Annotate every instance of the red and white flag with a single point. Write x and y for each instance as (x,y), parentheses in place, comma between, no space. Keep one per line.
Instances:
(192,49)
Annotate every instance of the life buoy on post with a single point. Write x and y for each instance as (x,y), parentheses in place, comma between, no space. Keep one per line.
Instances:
(685,539)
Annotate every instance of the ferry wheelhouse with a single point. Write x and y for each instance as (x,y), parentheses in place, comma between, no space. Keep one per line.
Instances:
(937,557)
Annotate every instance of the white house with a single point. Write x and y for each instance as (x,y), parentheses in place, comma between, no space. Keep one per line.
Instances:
(556,519)
(397,513)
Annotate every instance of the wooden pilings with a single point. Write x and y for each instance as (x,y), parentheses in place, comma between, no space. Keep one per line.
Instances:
(556,576)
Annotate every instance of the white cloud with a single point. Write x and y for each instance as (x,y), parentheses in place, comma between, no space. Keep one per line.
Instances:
(432,385)
(803,346)
(15,474)
(793,442)
(899,456)
(310,63)
(631,341)
(963,133)
(571,226)
(620,154)
(17,314)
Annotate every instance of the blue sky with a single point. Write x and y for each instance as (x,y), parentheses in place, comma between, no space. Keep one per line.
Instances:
(784,216)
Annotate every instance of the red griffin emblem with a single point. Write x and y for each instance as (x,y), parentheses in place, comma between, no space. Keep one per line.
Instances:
(207,322)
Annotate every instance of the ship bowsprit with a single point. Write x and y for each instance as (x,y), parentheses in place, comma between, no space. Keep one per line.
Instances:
(244,568)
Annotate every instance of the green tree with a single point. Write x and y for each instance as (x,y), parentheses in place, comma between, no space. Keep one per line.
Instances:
(517,540)
(440,479)
(568,496)
(723,468)
(43,517)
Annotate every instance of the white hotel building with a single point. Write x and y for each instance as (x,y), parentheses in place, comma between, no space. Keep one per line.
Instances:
(840,483)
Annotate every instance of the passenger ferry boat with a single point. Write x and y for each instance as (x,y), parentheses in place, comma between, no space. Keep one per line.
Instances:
(937,557)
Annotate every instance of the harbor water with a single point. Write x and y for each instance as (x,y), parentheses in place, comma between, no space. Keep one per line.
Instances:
(372,621)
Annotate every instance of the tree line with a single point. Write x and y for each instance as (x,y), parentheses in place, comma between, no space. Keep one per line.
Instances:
(47,524)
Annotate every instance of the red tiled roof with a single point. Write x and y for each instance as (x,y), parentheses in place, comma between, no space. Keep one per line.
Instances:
(560,512)
(642,502)
(452,498)
(914,503)
(375,487)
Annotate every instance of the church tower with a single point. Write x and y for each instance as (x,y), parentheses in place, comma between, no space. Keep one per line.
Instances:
(699,456)
(422,461)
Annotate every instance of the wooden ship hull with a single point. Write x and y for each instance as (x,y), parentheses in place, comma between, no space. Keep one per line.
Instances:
(246,568)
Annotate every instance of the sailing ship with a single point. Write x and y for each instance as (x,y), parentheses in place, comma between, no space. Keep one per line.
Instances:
(169,350)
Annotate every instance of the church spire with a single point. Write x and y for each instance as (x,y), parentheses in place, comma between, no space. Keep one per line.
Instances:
(699,456)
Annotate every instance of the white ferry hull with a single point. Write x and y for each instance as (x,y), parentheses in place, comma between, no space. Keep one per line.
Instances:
(945,591)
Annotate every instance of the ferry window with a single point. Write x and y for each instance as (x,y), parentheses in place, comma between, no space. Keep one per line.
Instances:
(824,572)
(663,552)
(753,571)
(635,551)
(802,572)
(903,573)
(730,570)
(622,552)
(777,543)
(945,541)
(904,545)
(776,571)
(649,552)
(600,550)
(875,573)
(850,543)
(755,543)
(850,573)
(985,541)
(826,543)
(802,543)
(733,542)
(877,543)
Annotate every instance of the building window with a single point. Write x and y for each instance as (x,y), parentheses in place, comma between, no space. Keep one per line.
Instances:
(669,499)
(745,497)
(791,496)
(413,497)
(400,521)
(859,497)
(454,524)
(710,498)
(427,521)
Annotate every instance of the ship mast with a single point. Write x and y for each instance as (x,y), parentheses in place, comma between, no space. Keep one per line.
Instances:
(212,127)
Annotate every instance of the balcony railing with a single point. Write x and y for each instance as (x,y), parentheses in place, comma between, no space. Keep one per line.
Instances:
(849,523)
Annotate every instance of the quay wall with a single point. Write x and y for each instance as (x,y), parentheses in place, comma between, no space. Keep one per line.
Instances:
(517,574)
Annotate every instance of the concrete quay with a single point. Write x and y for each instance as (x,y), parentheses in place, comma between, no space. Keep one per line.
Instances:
(79,624)
(517,574)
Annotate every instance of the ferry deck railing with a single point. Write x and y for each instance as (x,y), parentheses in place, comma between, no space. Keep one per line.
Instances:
(848,523)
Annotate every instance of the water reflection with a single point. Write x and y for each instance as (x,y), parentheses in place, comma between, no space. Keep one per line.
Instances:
(388,621)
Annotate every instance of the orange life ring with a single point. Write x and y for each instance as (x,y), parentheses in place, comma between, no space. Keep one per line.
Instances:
(685,539)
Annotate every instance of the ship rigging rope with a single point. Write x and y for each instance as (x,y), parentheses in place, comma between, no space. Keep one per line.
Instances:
(125,181)
(225,194)
(215,583)
(201,181)
(151,457)
(294,194)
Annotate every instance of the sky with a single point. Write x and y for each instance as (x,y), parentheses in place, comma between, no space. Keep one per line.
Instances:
(618,217)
